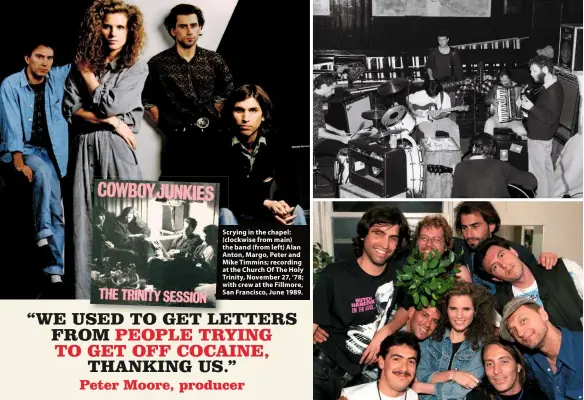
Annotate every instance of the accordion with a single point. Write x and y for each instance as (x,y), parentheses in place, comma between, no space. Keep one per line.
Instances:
(507,109)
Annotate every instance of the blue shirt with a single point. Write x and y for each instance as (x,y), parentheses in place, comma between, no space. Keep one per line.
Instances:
(16,115)
(566,382)
(435,357)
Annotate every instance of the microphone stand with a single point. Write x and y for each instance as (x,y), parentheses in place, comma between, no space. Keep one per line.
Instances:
(474,112)
(474,96)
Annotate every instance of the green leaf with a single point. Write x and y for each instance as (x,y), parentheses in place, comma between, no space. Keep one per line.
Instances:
(405,277)
(427,289)
(413,287)
(434,296)
(425,301)
(433,303)
(416,298)
(433,263)
(411,260)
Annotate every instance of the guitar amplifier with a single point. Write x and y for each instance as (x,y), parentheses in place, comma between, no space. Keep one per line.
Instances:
(346,114)
(570,47)
(377,168)
(511,148)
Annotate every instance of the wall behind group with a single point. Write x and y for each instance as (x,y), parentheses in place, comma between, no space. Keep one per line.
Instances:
(352,27)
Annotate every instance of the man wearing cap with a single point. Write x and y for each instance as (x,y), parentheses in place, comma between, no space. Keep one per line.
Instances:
(497,258)
(555,356)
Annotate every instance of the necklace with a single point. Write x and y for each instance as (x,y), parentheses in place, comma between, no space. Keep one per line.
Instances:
(405,395)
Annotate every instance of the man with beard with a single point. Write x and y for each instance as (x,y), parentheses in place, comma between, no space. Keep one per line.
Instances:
(478,221)
(506,372)
(184,93)
(345,300)
(497,258)
(432,234)
(543,119)
(398,358)
(555,354)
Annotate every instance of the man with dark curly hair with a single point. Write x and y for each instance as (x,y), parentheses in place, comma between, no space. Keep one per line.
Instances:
(355,299)
(543,119)
(184,95)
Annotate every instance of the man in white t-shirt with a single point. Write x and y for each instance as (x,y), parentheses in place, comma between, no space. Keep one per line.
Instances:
(558,290)
(425,105)
(398,358)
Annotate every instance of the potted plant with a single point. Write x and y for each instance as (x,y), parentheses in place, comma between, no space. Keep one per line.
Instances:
(427,278)
(320,259)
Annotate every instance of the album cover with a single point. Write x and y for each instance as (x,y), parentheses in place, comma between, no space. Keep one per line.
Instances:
(154,243)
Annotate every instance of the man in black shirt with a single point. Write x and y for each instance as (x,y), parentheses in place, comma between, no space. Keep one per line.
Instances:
(353,300)
(184,93)
(256,158)
(543,119)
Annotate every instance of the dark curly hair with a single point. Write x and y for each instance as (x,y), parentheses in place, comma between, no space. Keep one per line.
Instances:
(484,208)
(382,215)
(92,49)
(543,61)
(480,329)
(182,9)
(398,339)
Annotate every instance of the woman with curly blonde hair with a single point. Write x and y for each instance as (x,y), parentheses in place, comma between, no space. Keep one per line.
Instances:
(451,365)
(103,106)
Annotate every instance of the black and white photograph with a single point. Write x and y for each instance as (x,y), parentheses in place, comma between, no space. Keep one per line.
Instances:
(152,242)
(447,99)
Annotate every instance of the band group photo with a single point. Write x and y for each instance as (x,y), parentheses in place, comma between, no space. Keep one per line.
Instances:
(414,109)
(459,300)
(127,91)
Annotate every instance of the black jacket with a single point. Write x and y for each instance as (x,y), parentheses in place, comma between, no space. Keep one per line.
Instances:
(249,187)
(557,292)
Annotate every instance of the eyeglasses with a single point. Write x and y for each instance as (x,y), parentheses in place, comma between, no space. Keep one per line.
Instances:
(436,240)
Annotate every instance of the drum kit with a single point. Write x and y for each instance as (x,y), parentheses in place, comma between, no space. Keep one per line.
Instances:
(390,128)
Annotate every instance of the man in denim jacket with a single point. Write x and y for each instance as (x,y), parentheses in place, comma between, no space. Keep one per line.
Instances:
(34,139)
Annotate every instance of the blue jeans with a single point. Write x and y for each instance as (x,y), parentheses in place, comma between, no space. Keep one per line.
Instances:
(47,208)
(226,217)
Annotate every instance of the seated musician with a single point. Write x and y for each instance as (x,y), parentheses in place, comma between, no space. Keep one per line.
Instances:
(484,176)
(491,100)
(257,158)
(327,140)
(422,103)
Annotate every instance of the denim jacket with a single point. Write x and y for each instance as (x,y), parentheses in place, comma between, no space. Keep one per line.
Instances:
(17,110)
(435,357)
